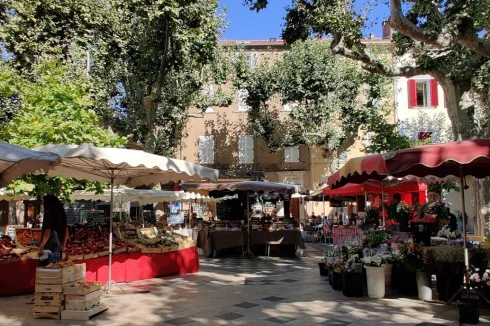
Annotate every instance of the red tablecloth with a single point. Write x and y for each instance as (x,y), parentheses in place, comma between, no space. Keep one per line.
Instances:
(19,277)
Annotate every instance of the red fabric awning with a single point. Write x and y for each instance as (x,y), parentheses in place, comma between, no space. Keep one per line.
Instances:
(352,189)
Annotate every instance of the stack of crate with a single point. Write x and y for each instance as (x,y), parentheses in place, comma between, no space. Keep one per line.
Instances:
(82,301)
(48,296)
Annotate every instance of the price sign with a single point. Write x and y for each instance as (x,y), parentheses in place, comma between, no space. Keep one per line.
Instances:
(93,217)
(10,230)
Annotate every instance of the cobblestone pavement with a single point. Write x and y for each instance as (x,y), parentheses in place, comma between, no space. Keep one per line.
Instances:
(234,291)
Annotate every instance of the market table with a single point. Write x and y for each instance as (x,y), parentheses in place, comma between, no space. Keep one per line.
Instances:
(18,277)
(209,241)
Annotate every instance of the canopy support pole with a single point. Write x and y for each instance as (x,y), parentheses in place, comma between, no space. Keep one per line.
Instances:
(109,280)
(383,200)
(463,207)
(323,200)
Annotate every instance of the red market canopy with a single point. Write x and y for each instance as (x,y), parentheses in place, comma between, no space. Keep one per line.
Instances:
(352,189)
(470,157)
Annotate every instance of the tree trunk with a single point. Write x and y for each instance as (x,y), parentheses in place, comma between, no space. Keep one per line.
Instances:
(462,123)
(150,104)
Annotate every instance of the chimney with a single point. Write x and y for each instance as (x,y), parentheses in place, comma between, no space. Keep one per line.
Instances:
(371,35)
(272,39)
(387,31)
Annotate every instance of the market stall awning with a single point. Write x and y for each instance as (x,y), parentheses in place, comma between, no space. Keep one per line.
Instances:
(254,186)
(353,189)
(16,161)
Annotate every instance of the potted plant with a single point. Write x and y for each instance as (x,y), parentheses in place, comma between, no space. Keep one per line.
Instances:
(371,219)
(448,265)
(469,308)
(403,213)
(354,253)
(375,238)
(375,274)
(405,271)
(352,281)
(338,268)
(323,268)
(415,260)
(392,215)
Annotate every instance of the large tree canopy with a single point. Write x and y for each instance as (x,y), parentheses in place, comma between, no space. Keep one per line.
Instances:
(455,66)
(330,100)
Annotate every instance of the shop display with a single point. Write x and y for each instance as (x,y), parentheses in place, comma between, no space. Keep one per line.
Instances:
(25,237)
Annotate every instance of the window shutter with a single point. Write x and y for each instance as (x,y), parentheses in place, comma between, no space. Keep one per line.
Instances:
(434,96)
(287,155)
(412,93)
(246,150)
(250,149)
(295,154)
(210,149)
(206,149)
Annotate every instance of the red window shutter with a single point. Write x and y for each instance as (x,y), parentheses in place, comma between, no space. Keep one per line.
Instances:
(412,93)
(434,97)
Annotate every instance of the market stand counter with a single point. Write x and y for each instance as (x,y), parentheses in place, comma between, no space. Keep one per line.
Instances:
(209,241)
(19,277)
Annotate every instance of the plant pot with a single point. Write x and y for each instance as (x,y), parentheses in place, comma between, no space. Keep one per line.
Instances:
(388,274)
(469,311)
(406,282)
(450,277)
(422,232)
(357,267)
(323,269)
(336,281)
(375,282)
(330,277)
(404,226)
(352,284)
(395,227)
(424,286)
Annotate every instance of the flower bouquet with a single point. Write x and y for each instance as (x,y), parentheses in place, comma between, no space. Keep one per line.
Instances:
(449,234)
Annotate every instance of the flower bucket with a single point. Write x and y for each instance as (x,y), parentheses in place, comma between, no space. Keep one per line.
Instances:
(336,281)
(323,269)
(450,277)
(375,282)
(469,311)
(424,286)
(330,277)
(352,284)
(357,267)
(388,274)
(421,232)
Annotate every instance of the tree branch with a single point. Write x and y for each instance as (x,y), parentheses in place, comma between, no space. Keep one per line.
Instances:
(450,35)
(372,65)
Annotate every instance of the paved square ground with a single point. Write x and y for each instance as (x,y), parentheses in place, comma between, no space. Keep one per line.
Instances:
(234,291)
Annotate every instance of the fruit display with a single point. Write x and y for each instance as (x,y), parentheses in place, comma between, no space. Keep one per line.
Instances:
(76,248)
(60,265)
(83,284)
(28,237)
(84,234)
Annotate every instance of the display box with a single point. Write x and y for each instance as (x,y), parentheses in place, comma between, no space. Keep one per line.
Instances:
(83,315)
(55,288)
(82,305)
(84,297)
(81,290)
(42,272)
(48,299)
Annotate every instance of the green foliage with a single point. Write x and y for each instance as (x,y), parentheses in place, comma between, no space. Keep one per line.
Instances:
(371,220)
(413,256)
(375,238)
(331,99)
(54,109)
(439,186)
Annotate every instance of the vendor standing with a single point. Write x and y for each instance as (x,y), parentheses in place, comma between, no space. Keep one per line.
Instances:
(54,230)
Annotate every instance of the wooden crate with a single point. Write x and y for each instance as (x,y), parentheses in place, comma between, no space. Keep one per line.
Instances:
(77,291)
(146,250)
(83,305)
(51,288)
(119,251)
(83,297)
(51,312)
(83,315)
(168,249)
(90,256)
(142,232)
(58,280)
(134,249)
(48,299)
(59,273)
(75,257)
(103,253)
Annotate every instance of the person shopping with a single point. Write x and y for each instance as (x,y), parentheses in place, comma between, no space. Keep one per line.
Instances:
(54,231)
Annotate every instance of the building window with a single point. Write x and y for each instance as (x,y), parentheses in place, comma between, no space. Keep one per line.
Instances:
(251,58)
(291,154)
(246,150)
(208,93)
(289,106)
(424,135)
(343,158)
(422,93)
(242,96)
(206,149)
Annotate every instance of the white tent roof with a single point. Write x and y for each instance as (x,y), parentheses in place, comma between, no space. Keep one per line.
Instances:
(142,196)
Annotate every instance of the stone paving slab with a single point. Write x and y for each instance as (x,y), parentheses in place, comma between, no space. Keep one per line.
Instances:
(233,291)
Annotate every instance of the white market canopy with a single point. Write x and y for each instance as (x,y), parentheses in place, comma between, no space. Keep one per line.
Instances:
(16,161)
(123,166)
(142,196)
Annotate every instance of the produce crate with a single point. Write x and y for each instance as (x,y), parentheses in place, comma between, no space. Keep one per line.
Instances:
(71,290)
(119,251)
(51,312)
(134,249)
(42,272)
(146,250)
(151,232)
(82,298)
(75,257)
(48,299)
(52,288)
(103,253)
(90,256)
(169,249)
(82,305)
(83,315)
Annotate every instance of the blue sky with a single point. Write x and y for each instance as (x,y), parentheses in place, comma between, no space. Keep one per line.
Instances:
(245,24)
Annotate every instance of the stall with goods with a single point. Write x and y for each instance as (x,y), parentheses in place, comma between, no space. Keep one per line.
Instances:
(139,253)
